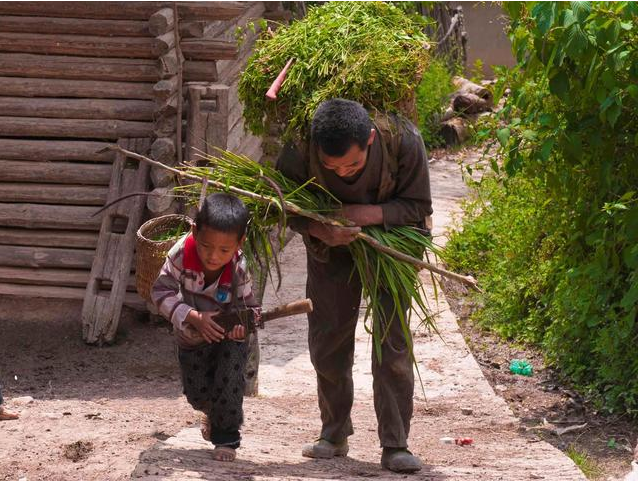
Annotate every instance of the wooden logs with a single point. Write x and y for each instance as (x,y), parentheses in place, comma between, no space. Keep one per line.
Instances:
(83,128)
(48,238)
(196,71)
(78,108)
(205,49)
(165,126)
(470,104)
(55,172)
(71,26)
(82,68)
(160,200)
(454,131)
(84,45)
(38,150)
(164,89)
(465,86)
(163,150)
(26,87)
(37,257)
(161,22)
(53,194)
(124,10)
(43,216)
(50,276)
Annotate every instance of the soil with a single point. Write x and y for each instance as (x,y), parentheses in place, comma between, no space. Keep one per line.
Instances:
(545,401)
(117,412)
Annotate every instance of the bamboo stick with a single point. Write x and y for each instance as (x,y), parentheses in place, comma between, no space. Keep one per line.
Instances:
(467,280)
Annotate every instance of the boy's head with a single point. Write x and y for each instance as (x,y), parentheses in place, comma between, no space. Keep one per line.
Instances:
(343,131)
(219,229)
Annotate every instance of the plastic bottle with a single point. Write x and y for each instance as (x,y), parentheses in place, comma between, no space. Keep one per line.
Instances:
(521,367)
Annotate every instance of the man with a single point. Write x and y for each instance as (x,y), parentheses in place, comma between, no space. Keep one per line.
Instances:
(378,170)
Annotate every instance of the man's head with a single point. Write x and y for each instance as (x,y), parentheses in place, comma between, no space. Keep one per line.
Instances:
(219,230)
(343,131)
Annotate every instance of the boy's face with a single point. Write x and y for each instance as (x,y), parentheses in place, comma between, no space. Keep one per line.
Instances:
(351,163)
(215,248)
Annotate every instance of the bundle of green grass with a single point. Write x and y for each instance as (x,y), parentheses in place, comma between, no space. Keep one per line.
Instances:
(269,196)
(370,52)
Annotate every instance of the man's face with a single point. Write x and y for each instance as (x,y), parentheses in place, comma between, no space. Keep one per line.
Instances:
(351,163)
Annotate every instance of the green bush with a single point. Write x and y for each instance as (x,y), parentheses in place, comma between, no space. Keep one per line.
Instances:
(553,234)
(432,98)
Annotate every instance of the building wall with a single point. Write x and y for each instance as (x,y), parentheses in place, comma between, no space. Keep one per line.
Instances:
(485,25)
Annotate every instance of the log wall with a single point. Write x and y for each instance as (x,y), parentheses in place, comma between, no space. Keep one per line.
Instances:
(77,76)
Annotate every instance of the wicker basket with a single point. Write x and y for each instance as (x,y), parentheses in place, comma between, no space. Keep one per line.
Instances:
(150,255)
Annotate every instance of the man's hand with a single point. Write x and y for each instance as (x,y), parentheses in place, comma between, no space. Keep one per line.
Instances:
(237,333)
(203,322)
(333,235)
(362,214)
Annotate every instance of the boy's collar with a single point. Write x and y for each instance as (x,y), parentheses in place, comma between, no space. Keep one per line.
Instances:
(191,261)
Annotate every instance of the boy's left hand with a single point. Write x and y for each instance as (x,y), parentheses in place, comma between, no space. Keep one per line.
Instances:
(237,333)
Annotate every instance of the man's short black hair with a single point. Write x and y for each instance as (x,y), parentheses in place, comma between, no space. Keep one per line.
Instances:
(223,212)
(338,124)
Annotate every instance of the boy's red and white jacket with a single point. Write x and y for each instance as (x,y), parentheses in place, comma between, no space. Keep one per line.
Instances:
(180,286)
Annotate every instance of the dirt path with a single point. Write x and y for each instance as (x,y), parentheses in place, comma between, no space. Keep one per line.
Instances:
(117,412)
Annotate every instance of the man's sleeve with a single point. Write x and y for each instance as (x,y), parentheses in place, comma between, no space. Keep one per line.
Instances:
(411,202)
(292,164)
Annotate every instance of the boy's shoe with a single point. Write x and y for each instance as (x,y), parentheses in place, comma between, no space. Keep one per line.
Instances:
(323,449)
(399,460)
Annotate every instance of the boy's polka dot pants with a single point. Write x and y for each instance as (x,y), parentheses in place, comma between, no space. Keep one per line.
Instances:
(213,381)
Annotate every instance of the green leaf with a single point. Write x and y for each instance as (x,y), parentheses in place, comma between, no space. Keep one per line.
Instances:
(581,10)
(576,41)
(494,165)
(503,136)
(544,14)
(613,113)
(529,134)
(559,85)
(546,120)
(545,149)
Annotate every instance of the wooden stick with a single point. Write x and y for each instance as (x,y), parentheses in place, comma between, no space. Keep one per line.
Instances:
(294,308)
(467,280)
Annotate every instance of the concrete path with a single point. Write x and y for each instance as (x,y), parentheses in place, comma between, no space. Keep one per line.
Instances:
(285,415)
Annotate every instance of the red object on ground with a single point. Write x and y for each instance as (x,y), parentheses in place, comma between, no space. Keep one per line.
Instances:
(464,441)
(272,93)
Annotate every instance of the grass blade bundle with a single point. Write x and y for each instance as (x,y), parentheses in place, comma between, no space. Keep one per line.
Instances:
(372,52)
(378,271)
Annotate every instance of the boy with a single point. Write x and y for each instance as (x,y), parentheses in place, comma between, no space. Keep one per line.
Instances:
(205,274)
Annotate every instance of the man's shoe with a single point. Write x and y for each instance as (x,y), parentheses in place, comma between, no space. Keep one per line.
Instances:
(323,449)
(400,460)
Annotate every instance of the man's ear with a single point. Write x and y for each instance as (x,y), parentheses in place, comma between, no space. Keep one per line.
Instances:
(242,240)
(372,136)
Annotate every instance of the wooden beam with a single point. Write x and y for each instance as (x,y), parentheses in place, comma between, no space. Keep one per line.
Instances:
(142,110)
(81,68)
(205,49)
(197,71)
(77,128)
(84,45)
(37,257)
(26,87)
(55,172)
(49,238)
(51,277)
(114,253)
(70,26)
(37,150)
(43,216)
(124,10)
(131,300)
(16,192)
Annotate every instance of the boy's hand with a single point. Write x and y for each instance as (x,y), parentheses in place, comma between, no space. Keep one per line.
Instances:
(203,322)
(237,333)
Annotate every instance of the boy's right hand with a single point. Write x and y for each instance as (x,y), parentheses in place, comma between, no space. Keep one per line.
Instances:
(203,322)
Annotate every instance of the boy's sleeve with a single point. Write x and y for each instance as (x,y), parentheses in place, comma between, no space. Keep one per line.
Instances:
(244,290)
(165,293)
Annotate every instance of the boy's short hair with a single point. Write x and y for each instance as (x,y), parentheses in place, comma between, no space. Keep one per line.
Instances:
(338,124)
(223,212)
